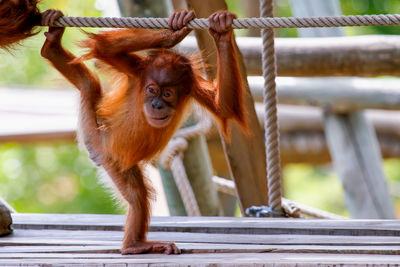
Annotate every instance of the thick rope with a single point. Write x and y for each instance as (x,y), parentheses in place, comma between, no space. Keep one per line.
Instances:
(184,187)
(242,23)
(310,211)
(224,185)
(270,114)
(171,158)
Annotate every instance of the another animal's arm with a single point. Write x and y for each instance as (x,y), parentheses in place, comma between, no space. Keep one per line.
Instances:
(226,100)
(63,60)
(116,47)
(80,76)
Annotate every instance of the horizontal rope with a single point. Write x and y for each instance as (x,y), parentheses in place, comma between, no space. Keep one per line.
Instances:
(242,23)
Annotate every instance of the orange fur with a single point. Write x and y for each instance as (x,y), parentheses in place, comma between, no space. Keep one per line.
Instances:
(116,125)
(125,143)
(17,21)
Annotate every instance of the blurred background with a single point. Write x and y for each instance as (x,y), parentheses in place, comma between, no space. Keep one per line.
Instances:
(56,177)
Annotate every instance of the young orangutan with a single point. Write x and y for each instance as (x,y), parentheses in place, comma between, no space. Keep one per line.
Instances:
(18,19)
(126,126)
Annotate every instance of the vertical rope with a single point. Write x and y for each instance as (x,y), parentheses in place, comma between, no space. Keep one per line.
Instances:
(184,187)
(270,114)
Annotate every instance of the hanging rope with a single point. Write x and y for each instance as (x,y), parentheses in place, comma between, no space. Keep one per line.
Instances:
(171,158)
(242,23)
(270,114)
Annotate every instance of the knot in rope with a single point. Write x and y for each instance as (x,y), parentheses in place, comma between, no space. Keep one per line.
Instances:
(291,209)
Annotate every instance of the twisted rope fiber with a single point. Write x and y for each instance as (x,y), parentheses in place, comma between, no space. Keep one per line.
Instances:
(172,158)
(183,184)
(242,23)
(270,114)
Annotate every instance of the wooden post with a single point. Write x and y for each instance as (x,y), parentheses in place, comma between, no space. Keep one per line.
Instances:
(196,158)
(357,159)
(172,195)
(351,139)
(244,153)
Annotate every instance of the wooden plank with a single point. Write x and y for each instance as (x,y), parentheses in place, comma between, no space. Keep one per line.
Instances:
(210,224)
(249,173)
(100,249)
(192,248)
(352,142)
(360,242)
(220,259)
(107,238)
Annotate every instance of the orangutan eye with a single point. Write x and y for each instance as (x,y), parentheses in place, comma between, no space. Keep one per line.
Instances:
(166,94)
(151,90)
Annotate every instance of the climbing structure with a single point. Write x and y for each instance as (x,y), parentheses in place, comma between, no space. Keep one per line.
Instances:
(172,157)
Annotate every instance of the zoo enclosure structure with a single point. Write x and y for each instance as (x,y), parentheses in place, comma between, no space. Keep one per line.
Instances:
(364,151)
(266,232)
(363,156)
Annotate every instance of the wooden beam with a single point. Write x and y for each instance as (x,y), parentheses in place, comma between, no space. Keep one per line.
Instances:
(363,56)
(303,140)
(333,94)
(40,136)
(287,227)
(243,152)
(357,160)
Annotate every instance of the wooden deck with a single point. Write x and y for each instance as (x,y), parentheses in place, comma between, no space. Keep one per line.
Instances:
(94,240)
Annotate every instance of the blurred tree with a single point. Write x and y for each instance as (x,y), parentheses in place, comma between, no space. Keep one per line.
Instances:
(51,178)
(369,7)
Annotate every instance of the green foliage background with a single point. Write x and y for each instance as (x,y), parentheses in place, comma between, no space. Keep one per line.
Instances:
(49,177)
(57,177)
